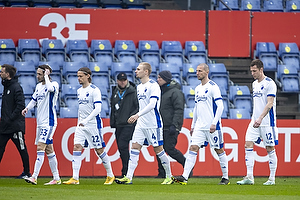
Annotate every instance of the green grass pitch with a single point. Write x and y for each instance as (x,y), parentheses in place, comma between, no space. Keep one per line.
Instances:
(150,188)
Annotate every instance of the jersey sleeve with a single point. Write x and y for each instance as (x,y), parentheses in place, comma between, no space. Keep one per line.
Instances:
(272,89)
(97,98)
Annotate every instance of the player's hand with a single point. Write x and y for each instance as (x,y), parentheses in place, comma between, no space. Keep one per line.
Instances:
(212,128)
(133,119)
(257,123)
(24,111)
(47,72)
(191,131)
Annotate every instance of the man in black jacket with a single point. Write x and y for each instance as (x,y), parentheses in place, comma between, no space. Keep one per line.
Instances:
(12,124)
(124,103)
(171,110)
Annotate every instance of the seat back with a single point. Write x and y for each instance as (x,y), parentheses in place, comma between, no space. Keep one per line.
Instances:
(70,71)
(68,112)
(233,4)
(189,94)
(118,67)
(241,92)
(172,52)
(8,52)
(29,50)
(174,69)
(273,6)
(188,113)
(54,51)
(250,5)
(25,68)
(102,49)
(239,114)
(78,51)
(267,53)
(195,52)
(292,6)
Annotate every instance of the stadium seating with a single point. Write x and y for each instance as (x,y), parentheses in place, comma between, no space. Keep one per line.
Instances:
(239,114)
(240,96)
(105,108)
(125,51)
(29,51)
(88,3)
(251,5)
(69,95)
(25,68)
(172,53)
(195,52)
(289,54)
(148,51)
(28,83)
(70,72)
(289,78)
(267,53)
(233,4)
(118,67)
(219,74)
(134,4)
(102,52)
(68,112)
(54,51)
(273,6)
(8,52)
(111,4)
(78,51)
(189,95)
(292,6)
(174,69)
(188,113)
(100,74)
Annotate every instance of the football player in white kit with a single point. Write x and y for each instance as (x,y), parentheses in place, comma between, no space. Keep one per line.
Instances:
(149,125)
(206,126)
(263,123)
(45,98)
(89,127)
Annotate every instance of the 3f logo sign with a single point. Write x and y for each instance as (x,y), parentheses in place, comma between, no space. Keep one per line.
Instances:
(69,23)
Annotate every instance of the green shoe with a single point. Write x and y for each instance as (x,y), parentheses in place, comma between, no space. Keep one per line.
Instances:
(167,181)
(123,180)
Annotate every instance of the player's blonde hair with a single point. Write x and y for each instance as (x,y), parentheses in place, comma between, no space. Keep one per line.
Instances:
(146,66)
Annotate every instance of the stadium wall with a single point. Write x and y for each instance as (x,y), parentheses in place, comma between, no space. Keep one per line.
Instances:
(207,161)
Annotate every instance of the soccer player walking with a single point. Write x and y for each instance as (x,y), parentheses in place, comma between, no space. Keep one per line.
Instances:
(263,123)
(149,125)
(45,98)
(206,125)
(89,126)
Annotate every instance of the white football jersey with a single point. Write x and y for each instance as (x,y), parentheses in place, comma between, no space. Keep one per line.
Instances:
(205,106)
(87,97)
(46,104)
(261,90)
(145,92)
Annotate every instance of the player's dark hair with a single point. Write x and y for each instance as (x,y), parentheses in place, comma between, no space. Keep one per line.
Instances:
(11,70)
(86,71)
(259,64)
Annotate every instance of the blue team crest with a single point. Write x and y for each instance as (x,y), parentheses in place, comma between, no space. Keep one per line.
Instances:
(87,94)
(45,89)
(262,87)
(206,90)
(145,90)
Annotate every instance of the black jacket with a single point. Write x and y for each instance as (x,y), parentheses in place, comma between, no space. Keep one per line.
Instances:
(128,106)
(13,102)
(172,105)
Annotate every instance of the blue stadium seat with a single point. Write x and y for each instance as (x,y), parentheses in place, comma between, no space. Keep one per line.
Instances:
(174,69)
(66,3)
(195,52)
(78,51)
(105,108)
(189,95)
(8,52)
(68,112)
(233,4)
(240,96)
(273,6)
(20,3)
(111,4)
(134,4)
(104,92)
(69,95)
(219,74)
(239,114)
(148,51)
(25,68)
(70,71)
(102,52)
(100,75)
(118,67)
(226,108)
(267,53)
(125,51)
(289,54)
(172,52)
(251,5)
(54,51)
(88,3)
(292,6)
(289,78)
(188,113)
(28,83)
(189,71)
(29,50)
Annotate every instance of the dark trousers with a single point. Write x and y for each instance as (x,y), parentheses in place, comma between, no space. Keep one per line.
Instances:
(170,141)
(19,141)
(123,136)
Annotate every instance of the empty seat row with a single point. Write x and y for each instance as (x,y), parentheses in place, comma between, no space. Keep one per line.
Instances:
(234,113)
(115,4)
(260,5)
